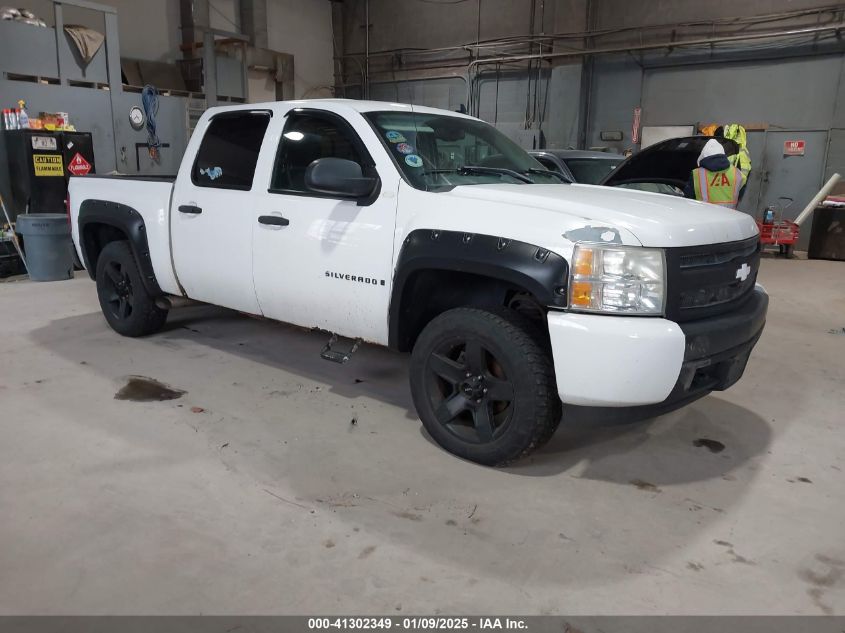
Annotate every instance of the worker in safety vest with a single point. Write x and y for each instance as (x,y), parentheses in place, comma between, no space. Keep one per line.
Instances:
(715,180)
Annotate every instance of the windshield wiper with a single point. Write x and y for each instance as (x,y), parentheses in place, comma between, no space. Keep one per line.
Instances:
(478,169)
(548,172)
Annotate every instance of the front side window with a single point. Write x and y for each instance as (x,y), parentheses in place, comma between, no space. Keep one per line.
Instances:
(436,151)
(306,138)
(229,151)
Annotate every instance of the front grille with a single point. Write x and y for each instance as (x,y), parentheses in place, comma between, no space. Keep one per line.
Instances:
(704,281)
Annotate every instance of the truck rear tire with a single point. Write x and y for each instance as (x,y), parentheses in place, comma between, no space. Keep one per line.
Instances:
(129,309)
(484,386)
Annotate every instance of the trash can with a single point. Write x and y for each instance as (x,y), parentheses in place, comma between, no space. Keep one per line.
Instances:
(47,245)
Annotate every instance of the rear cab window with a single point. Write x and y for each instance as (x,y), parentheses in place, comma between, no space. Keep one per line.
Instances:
(229,150)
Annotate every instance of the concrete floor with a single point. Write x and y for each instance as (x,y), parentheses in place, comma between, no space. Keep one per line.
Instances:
(254,493)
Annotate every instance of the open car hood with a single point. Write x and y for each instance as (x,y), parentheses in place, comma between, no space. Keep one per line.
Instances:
(669,162)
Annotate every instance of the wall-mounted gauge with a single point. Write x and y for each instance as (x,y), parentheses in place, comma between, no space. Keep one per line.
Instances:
(136,118)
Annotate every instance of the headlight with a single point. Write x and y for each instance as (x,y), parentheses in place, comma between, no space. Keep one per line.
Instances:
(617,279)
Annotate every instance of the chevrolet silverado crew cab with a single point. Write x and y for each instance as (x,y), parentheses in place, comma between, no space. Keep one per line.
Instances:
(432,233)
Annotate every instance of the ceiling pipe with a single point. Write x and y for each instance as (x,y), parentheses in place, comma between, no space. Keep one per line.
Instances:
(812,30)
(552,38)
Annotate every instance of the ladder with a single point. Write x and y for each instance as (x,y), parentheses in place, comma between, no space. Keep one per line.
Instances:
(194,108)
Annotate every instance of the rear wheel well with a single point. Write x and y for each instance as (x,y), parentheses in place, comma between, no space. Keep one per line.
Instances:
(428,293)
(95,236)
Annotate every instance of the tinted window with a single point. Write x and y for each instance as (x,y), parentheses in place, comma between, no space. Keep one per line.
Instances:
(305,139)
(229,151)
(548,163)
(591,171)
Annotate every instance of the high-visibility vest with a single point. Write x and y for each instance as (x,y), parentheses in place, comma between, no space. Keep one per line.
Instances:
(717,187)
(742,159)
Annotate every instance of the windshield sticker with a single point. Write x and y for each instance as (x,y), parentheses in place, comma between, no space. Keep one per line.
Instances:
(394,137)
(412,160)
(404,148)
(212,172)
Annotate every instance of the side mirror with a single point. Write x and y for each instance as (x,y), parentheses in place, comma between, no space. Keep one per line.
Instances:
(340,177)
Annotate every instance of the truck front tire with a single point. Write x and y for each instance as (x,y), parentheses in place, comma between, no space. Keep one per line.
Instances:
(129,309)
(484,386)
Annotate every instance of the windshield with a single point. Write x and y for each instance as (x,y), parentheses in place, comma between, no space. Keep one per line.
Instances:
(436,151)
(591,171)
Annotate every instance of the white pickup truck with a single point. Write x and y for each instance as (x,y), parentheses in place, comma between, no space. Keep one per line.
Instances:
(431,233)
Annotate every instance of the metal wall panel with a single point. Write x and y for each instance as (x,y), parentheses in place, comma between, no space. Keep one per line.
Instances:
(96,71)
(90,111)
(28,50)
(171,127)
(230,81)
(31,50)
(447,93)
(835,154)
(615,93)
(790,93)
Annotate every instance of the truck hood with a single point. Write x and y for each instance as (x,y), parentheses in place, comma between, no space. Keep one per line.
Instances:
(591,213)
(669,162)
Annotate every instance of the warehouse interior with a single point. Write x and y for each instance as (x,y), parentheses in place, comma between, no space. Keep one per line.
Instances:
(222,467)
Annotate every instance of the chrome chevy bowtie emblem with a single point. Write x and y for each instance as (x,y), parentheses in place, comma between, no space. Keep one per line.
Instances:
(743,271)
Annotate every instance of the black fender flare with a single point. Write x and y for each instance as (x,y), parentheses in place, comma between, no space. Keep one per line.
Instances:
(130,223)
(539,271)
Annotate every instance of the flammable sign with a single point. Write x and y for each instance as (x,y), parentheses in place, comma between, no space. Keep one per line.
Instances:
(78,166)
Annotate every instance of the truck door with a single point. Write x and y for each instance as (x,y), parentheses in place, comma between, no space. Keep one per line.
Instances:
(327,261)
(212,211)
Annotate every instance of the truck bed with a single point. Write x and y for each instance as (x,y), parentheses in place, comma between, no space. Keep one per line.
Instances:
(149,196)
(166,178)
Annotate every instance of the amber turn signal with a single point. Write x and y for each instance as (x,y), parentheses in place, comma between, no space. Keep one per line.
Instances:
(582,293)
(584,262)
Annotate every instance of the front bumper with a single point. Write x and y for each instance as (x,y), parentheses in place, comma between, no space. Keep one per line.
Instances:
(610,361)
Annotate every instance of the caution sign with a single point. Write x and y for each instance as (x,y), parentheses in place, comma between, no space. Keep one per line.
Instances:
(48,165)
(78,166)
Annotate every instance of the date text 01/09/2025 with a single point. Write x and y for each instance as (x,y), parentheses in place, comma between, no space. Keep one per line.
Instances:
(417,623)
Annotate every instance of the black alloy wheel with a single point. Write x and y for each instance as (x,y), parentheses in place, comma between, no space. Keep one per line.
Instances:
(126,303)
(483,384)
(470,392)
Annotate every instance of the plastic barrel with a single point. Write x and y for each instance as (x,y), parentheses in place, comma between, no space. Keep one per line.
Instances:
(46,238)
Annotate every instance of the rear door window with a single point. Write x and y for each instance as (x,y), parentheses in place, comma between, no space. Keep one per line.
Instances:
(229,151)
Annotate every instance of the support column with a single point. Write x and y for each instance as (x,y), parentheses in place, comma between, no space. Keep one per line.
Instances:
(194,15)
(585,106)
(254,22)
(115,80)
(209,69)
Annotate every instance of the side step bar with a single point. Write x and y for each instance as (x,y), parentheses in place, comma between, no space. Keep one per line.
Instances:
(337,356)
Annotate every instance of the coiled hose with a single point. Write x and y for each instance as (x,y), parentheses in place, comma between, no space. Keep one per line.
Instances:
(149,99)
